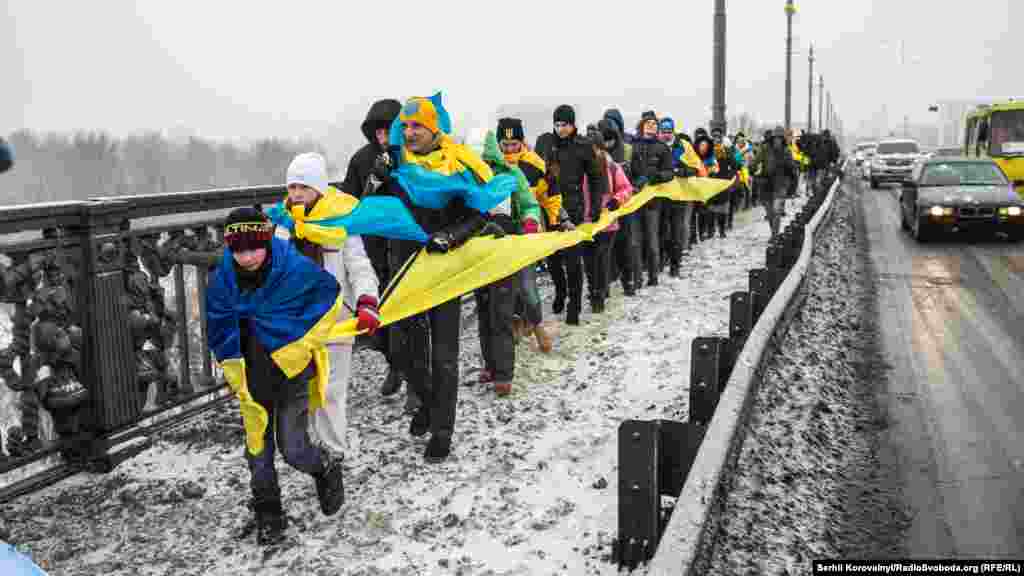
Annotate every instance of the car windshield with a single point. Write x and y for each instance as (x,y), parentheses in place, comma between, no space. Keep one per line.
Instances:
(947,152)
(963,174)
(897,148)
(1008,133)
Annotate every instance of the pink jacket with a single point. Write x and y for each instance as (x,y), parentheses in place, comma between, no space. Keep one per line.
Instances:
(620,189)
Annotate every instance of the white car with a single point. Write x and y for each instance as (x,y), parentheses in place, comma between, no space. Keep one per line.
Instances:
(893,161)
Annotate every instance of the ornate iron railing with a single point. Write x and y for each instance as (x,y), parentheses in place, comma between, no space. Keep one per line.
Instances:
(96,342)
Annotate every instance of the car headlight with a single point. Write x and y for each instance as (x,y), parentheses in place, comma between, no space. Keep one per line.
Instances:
(940,211)
(1013,211)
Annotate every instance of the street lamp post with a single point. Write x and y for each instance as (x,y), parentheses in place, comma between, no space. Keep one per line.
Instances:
(821,101)
(790,9)
(810,91)
(718,104)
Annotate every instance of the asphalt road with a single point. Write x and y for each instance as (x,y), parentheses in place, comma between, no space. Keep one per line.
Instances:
(952,327)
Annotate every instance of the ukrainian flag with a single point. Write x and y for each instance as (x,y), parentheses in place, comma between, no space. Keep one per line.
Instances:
(291,314)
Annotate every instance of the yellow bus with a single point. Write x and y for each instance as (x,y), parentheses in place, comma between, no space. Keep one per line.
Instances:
(997,131)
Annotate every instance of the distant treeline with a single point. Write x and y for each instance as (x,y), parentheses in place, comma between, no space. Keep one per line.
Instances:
(58,166)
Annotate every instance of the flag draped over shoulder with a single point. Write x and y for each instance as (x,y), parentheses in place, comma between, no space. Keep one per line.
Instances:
(291,314)
(433,279)
(337,215)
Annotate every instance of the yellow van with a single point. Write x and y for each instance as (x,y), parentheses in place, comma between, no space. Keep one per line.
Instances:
(997,131)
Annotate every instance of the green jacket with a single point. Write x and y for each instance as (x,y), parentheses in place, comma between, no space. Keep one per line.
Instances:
(524,204)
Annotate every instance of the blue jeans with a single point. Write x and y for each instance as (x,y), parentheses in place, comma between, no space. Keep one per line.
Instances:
(287,406)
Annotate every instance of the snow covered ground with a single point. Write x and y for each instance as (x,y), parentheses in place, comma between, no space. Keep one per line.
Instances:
(530,488)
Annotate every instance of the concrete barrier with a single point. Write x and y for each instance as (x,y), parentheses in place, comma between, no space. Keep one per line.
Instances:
(687,538)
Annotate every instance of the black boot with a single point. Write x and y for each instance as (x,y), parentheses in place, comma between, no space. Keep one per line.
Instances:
(627,288)
(420,423)
(392,382)
(270,522)
(673,270)
(330,487)
(438,449)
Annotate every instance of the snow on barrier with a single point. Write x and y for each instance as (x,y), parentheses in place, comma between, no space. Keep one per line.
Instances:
(689,527)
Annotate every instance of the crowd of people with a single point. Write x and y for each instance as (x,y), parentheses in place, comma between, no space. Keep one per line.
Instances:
(277,292)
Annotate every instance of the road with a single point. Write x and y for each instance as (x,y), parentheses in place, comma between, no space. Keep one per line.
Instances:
(952,327)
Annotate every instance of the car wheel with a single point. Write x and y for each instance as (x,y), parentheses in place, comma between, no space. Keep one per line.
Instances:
(874,184)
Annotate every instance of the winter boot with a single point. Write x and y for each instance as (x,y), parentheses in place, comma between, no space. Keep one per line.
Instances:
(391,383)
(330,487)
(438,449)
(652,280)
(627,289)
(503,388)
(412,401)
(420,423)
(543,338)
(270,522)
(673,270)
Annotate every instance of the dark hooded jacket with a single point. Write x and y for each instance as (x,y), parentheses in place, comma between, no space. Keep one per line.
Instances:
(575,159)
(381,115)
(651,162)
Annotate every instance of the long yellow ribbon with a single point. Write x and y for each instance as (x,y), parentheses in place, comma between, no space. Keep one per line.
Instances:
(432,279)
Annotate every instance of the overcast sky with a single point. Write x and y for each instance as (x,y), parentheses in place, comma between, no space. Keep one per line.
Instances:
(225,68)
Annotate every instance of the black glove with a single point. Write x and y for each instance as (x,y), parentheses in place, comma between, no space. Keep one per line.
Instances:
(640,182)
(440,242)
(382,167)
(612,204)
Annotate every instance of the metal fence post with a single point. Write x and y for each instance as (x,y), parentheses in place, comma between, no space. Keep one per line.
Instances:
(108,360)
(639,505)
(705,366)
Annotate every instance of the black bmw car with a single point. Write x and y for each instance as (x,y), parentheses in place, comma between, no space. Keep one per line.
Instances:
(958,194)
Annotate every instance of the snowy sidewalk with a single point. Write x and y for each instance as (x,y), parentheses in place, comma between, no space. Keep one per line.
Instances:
(530,487)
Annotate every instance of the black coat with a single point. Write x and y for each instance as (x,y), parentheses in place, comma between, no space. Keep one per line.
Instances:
(779,171)
(381,114)
(651,162)
(575,158)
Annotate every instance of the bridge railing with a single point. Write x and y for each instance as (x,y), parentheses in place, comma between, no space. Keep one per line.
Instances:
(105,302)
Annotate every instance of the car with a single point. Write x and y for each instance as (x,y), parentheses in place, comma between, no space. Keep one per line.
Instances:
(957,194)
(893,161)
(861,152)
(947,152)
(866,154)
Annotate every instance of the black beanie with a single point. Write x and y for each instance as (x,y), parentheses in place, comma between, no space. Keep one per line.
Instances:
(510,129)
(565,113)
(247,229)
(648,115)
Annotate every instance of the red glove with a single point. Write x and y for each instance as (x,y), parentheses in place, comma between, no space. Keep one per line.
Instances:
(366,311)
(530,226)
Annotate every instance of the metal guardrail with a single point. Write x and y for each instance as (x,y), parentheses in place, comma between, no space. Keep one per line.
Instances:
(688,460)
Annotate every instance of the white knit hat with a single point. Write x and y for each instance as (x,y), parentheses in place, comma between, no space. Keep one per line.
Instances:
(310,169)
